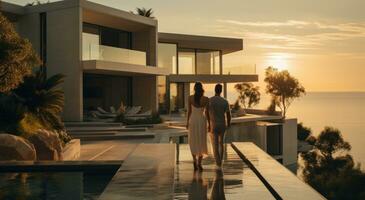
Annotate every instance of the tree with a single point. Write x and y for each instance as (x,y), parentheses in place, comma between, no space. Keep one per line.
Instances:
(303,132)
(283,88)
(249,95)
(331,170)
(43,98)
(17,57)
(144,12)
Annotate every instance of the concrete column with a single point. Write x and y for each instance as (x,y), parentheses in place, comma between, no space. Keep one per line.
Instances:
(144,89)
(146,41)
(64,45)
(225,90)
(186,95)
(290,142)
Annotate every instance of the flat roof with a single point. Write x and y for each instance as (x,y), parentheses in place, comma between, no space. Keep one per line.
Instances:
(92,12)
(226,45)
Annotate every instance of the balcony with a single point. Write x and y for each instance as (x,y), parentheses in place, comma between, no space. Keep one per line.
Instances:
(102,59)
(113,54)
(228,75)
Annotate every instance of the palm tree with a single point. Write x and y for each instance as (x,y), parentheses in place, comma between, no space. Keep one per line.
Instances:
(144,12)
(43,98)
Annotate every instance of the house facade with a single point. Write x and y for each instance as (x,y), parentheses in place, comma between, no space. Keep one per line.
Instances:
(111,56)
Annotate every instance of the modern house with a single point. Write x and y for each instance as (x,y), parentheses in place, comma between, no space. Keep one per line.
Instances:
(111,56)
(192,58)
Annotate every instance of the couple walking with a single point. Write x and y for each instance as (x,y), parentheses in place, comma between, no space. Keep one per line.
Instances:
(207,115)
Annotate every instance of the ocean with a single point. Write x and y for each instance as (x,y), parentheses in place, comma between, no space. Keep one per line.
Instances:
(342,110)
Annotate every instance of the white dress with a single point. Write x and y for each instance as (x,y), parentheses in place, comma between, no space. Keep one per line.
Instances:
(198,132)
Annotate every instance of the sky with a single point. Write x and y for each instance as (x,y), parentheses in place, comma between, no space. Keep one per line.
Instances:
(320,42)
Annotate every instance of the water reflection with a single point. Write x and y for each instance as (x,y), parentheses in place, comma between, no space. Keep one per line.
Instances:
(210,184)
(52,185)
(218,186)
(198,187)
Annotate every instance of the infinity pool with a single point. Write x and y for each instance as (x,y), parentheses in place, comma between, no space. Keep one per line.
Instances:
(53,185)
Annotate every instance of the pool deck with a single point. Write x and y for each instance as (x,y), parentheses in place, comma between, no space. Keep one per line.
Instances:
(147,173)
(282,183)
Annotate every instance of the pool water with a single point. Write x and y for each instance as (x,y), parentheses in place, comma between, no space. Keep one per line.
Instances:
(53,185)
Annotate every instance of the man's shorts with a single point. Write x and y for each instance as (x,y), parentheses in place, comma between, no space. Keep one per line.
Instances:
(218,130)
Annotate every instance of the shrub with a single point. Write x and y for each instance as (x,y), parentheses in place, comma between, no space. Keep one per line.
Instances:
(303,132)
(331,170)
(43,98)
(248,94)
(17,57)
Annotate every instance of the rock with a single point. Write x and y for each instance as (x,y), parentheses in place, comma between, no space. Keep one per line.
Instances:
(47,145)
(16,148)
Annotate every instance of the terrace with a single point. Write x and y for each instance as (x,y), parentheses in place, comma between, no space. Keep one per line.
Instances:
(158,171)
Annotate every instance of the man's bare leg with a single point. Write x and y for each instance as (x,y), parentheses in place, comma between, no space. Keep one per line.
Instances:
(214,140)
(220,137)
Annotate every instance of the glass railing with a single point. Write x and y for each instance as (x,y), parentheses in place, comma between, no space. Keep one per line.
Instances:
(239,70)
(114,54)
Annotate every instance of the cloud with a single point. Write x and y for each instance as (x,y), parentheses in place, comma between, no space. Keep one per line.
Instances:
(293,34)
(265,24)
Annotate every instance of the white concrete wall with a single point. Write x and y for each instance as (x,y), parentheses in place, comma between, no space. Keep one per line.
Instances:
(146,41)
(144,89)
(256,133)
(64,29)
(290,142)
(28,27)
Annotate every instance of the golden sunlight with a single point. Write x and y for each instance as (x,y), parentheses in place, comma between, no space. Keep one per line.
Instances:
(278,60)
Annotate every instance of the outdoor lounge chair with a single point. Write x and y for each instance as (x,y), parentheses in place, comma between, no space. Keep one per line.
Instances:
(100,115)
(133,110)
(140,115)
(112,109)
(102,110)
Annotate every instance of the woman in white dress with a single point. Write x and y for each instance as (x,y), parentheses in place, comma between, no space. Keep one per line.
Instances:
(197,121)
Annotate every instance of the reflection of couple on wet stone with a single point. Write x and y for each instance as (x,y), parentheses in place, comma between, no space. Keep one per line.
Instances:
(199,187)
(207,115)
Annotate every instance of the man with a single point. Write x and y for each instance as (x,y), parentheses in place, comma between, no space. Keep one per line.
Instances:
(220,117)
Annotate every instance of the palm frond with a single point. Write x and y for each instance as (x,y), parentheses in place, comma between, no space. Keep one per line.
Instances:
(43,98)
(145,12)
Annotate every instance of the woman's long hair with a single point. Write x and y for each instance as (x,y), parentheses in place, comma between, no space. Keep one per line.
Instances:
(199,92)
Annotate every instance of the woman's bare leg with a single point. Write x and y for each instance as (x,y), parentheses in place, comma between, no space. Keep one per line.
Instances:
(195,162)
(200,158)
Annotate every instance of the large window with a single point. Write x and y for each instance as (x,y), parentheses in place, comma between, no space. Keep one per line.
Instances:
(90,46)
(208,62)
(199,61)
(167,56)
(176,97)
(186,61)
(162,95)
(110,37)
(106,91)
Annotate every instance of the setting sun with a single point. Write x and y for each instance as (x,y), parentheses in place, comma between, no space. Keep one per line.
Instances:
(278,60)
